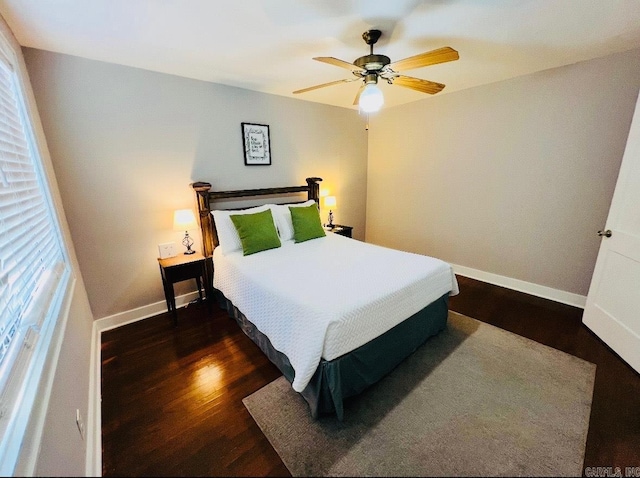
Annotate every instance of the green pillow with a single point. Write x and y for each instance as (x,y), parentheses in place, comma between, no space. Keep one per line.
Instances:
(257,231)
(306,223)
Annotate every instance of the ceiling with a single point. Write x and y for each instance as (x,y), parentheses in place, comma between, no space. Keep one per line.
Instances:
(268,45)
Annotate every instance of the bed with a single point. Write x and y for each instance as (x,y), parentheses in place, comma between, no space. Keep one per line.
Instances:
(334,314)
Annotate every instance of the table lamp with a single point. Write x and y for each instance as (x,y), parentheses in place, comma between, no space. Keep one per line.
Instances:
(330,202)
(183,220)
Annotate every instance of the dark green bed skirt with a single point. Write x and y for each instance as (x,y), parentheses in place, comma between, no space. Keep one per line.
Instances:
(350,374)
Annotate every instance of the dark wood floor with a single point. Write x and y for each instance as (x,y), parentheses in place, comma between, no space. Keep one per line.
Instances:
(171,397)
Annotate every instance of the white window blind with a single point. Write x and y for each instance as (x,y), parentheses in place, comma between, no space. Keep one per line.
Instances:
(33,270)
(28,245)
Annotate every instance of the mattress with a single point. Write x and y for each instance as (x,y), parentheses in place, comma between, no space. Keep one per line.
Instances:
(328,296)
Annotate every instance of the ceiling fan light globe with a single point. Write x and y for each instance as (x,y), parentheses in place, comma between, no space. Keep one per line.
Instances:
(371,99)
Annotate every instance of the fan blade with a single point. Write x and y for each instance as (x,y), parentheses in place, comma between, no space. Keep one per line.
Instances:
(425,86)
(341,63)
(441,55)
(331,83)
(357,100)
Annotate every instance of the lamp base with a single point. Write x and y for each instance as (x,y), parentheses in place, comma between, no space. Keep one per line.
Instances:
(188,242)
(330,223)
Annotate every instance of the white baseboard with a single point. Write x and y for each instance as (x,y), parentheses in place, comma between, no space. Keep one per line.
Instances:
(94,420)
(144,312)
(556,295)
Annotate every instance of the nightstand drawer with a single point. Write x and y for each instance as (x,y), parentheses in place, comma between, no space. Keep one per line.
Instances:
(184,271)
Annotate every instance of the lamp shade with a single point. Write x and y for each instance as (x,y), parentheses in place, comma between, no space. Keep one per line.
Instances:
(329,201)
(371,98)
(183,220)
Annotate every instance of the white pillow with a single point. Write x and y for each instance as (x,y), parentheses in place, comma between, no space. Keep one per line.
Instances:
(228,238)
(282,216)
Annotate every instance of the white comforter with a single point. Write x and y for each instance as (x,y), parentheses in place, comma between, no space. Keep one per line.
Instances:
(325,297)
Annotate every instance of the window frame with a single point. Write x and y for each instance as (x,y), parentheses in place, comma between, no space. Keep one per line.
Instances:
(26,406)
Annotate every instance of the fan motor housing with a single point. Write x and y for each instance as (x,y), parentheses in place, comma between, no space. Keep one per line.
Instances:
(370,78)
(372,62)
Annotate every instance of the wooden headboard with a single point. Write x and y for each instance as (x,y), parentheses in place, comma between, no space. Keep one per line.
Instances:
(204,198)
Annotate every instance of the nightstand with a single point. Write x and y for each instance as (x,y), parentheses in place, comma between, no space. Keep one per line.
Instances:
(179,268)
(342,230)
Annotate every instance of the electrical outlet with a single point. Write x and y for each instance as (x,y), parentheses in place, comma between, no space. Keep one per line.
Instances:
(167,250)
(80,423)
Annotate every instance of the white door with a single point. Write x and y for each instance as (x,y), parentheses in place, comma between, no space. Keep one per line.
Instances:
(613,303)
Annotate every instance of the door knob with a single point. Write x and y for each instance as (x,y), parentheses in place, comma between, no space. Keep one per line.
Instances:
(606,233)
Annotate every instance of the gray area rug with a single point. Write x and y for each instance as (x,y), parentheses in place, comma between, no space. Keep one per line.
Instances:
(473,401)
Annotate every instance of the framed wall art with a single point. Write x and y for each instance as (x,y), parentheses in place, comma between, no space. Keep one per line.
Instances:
(256,142)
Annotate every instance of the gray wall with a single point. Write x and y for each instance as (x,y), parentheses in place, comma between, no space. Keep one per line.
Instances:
(62,451)
(126,143)
(512,178)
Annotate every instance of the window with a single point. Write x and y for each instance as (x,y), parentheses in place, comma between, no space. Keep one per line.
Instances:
(34,270)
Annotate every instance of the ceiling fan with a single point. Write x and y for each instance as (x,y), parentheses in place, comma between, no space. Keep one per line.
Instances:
(370,68)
